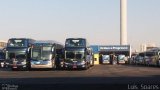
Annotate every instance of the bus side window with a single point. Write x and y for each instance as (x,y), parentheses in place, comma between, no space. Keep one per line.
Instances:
(159,55)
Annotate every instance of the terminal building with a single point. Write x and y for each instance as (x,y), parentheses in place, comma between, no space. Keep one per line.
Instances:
(146,47)
(116,50)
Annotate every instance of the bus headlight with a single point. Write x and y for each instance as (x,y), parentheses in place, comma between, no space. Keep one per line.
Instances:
(24,62)
(47,62)
(32,62)
(2,64)
(82,63)
(67,63)
(21,61)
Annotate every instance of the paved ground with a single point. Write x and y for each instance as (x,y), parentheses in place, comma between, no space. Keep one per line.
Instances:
(100,76)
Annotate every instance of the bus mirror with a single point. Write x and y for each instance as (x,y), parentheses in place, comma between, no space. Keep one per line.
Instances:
(28,49)
(52,49)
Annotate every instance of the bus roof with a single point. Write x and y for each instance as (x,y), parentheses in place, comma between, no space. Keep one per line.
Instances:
(75,38)
(87,44)
(48,41)
(20,38)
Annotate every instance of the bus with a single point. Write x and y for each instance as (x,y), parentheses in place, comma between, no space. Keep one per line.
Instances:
(152,57)
(105,59)
(78,54)
(121,59)
(18,53)
(46,54)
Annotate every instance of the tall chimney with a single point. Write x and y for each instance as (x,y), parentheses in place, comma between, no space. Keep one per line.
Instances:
(123,22)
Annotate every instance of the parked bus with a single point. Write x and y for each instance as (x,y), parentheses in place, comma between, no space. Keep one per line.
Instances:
(46,54)
(78,53)
(152,58)
(121,59)
(18,52)
(105,59)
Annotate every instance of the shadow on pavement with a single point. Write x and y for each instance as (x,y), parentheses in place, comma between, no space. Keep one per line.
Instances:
(82,83)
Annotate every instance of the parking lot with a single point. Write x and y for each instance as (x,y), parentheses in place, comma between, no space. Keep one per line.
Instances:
(96,75)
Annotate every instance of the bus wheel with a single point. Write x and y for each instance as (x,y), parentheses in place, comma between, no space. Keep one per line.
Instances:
(86,67)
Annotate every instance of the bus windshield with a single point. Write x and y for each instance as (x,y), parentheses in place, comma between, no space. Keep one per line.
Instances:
(121,57)
(17,43)
(150,54)
(106,57)
(43,53)
(75,43)
(16,54)
(74,55)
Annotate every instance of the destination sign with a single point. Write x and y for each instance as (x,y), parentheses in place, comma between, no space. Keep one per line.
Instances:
(42,44)
(114,48)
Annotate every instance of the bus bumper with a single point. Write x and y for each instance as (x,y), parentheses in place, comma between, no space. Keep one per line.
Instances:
(121,62)
(75,66)
(106,62)
(17,66)
(41,66)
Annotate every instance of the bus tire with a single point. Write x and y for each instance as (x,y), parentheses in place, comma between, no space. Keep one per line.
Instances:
(157,63)
(86,67)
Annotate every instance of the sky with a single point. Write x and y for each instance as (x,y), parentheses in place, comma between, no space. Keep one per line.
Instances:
(96,20)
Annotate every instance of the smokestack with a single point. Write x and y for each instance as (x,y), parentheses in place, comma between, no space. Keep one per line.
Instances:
(123,22)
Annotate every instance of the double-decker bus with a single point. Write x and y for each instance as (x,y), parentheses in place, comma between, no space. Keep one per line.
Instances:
(152,57)
(46,54)
(78,54)
(149,57)
(18,53)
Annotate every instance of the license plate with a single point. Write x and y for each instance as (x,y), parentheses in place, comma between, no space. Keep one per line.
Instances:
(74,66)
(14,66)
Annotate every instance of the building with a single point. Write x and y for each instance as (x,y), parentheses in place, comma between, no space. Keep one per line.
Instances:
(100,50)
(3,44)
(145,47)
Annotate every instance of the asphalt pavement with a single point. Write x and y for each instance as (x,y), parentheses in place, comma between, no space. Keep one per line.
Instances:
(97,77)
